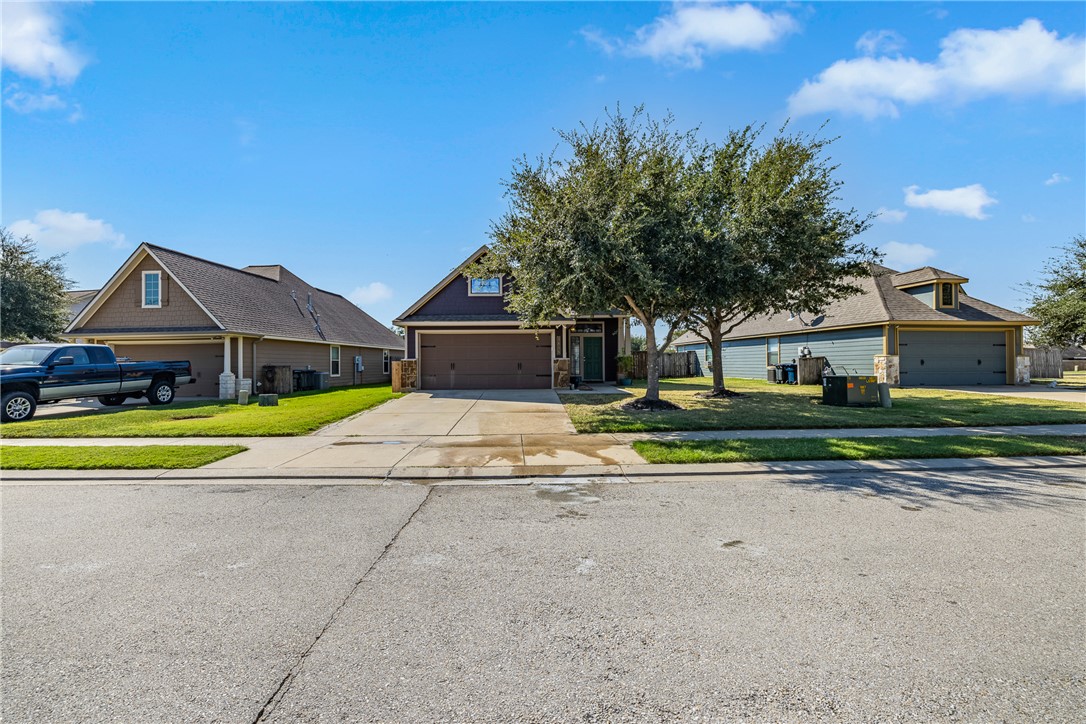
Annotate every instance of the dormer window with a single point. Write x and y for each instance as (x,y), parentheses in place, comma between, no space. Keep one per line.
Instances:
(485,287)
(152,289)
(947,295)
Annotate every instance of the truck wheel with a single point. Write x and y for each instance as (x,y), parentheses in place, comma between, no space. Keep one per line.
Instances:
(111,400)
(161,393)
(17,406)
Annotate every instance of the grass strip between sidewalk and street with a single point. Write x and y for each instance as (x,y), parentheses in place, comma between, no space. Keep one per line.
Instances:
(766,406)
(112,457)
(866,448)
(297,414)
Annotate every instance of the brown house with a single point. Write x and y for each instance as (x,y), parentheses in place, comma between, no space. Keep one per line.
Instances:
(233,324)
(462,337)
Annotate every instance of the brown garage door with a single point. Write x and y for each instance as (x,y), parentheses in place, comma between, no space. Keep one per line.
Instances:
(206,360)
(485,361)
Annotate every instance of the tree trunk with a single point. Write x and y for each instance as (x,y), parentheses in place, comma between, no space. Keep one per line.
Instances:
(652,384)
(715,336)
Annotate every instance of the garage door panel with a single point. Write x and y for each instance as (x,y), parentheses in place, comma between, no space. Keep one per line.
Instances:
(952,358)
(206,361)
(484,361)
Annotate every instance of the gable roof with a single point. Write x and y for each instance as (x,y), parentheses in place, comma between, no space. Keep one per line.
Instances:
(259,302)
(442,284)
(879,302)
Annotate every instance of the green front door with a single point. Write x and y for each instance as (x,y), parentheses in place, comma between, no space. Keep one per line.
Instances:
(593,358)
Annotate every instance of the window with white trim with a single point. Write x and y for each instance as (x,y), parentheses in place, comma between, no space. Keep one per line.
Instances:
(333,352)
(152,289)
(386,362)
(488,287)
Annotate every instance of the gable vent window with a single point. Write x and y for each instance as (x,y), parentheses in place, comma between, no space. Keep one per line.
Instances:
(489,287)
(947,293)
(152,289)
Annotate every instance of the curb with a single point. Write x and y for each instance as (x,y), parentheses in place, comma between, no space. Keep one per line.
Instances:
(526,474)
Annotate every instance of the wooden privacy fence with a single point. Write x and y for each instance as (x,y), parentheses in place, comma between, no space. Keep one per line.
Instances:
(1045,361)
(672,364)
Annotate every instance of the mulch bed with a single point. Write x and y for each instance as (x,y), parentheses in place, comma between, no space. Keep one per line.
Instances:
(641,405)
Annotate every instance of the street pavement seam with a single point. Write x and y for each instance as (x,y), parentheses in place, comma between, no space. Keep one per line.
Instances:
(284,686)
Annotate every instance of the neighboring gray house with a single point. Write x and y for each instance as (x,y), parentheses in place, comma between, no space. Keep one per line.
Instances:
(230,323)
(462,337)
(915,328)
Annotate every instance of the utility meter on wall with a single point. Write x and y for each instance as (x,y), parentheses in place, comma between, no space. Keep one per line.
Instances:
(358,366)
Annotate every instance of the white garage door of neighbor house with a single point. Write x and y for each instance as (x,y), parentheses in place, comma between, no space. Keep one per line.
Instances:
(949,359)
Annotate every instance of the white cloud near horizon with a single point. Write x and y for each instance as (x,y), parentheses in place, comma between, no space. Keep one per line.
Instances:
(370,294)
(58,230)
(880,41)
(904,257)
(690,31)
(32,44)
(1056,178)
(1027,60)
(968,201)
(890,216)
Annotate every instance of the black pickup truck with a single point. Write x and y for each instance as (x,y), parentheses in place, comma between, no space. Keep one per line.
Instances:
(33,373)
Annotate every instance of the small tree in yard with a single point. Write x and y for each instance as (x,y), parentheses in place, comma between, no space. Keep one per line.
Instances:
(599,230)
(768,236)
(32,300)
(1059,301)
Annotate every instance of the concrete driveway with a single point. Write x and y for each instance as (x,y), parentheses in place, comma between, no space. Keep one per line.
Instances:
(1036,392)
(463,412)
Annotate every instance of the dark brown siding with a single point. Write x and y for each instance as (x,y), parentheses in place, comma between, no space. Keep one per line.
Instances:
(485,361)
(454,299)
(124,307)
(297,355)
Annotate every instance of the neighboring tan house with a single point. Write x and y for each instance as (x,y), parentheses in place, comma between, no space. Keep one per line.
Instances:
(915,328)
(462,337)
(231,323)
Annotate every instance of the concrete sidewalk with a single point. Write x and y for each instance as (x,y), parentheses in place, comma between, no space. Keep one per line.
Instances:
(472,456)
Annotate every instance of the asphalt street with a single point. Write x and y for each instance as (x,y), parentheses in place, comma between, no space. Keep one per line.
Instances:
(844,597)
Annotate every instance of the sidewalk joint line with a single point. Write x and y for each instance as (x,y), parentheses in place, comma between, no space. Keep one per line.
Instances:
(284,686)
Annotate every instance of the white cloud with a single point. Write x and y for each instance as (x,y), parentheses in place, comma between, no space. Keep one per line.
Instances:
(690,31)
(880,41)
(370,294)
(891,216)
(1028,218)
(968,201)
(22,101)
(1024,61)
(906,256)
(31,44)
(65,230)
(1056,178)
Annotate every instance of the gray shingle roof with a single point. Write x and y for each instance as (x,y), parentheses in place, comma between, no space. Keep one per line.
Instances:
(923,275)
(880,302)
(254,303)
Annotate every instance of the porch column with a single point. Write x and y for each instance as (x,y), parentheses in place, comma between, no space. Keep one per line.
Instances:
(241,357)
(626,326)
(227,386)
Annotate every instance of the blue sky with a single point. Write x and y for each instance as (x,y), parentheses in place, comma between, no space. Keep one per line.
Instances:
(363,145)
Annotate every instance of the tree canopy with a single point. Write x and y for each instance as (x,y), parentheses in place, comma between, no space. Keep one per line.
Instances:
(768,235)
(33,303)
(1059,300)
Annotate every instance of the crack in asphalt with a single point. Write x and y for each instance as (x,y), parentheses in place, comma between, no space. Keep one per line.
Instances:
(284,685)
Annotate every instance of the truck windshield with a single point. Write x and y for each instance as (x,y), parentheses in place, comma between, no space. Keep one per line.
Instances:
(24,355)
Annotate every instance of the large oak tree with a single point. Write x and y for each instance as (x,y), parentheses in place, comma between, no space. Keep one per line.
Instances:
(1059,299)
(33,304)
(768,235)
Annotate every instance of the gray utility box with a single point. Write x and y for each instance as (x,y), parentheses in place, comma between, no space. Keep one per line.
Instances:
(850,390)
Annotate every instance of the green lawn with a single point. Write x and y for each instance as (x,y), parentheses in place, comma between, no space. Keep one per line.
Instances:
(297,414)
(115,457)
(769,406)
(885,448)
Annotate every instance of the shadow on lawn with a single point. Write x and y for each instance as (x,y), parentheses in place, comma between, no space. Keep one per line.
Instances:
(982,490)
